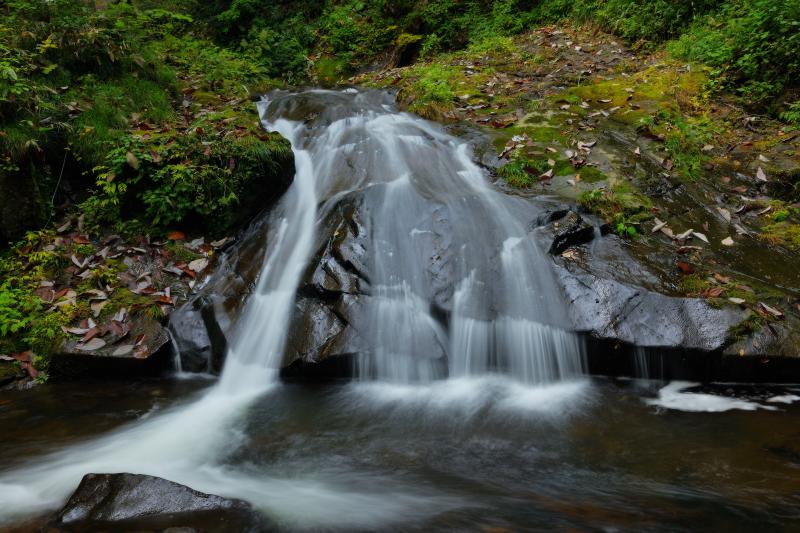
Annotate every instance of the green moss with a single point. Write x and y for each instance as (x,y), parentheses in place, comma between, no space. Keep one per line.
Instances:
(694,284)
(740,332)
(784,233)
(621,199)
(180,253)
(591,174)
(522,172)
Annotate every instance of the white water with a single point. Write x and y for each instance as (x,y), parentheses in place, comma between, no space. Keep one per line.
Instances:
(673,396)
(512,328)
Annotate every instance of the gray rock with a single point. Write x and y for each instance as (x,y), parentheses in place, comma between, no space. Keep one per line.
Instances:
(608,309)
(123,502)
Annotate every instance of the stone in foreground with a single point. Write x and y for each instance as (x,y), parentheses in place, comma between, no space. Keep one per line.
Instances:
(131,502)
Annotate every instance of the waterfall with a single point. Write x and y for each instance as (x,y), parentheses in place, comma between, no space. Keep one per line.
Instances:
(505,313)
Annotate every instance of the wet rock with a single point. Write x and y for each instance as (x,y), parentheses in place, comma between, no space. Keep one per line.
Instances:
(130,502)
(199,337)
(570,230)
(199,326)
(339,266)
(608,309)
(779,339)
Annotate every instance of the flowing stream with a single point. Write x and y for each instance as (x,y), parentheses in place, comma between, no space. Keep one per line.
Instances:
(497,386)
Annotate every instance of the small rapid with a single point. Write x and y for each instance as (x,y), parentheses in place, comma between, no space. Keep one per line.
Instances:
(505,329)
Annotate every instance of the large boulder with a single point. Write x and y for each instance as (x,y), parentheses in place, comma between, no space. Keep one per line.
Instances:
(131,502)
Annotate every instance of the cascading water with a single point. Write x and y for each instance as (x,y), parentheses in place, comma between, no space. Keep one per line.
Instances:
(505,314)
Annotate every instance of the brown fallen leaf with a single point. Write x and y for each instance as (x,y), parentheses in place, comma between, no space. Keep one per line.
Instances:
(685,268)
(176,236)
(722,279)
(714,292)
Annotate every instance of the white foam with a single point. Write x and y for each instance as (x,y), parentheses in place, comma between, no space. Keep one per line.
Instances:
(469,397)
(786,398)
(673,397)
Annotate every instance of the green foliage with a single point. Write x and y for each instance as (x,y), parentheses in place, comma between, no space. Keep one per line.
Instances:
(13,306)
(792,114)
(625,227)
(194,179)
(753,43)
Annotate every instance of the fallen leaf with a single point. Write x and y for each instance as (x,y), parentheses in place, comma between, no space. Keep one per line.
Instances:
(74,331)
(659,224)
(771,310)
(98,306)
(220,243)
(123,350)
(121,315)
(727,241)
(92,345)
(714,292)
(685,268)
(685,235)
(132,160)
(724,213)
(176,236)
(700,236)
(761,175)
(721,278)
(96,294)
(737,301)
(198,265)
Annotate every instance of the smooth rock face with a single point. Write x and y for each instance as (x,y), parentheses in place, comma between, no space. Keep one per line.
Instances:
(608,309)
(332,299)
(123,502)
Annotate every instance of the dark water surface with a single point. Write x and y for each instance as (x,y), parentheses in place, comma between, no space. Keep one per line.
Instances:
(482,454)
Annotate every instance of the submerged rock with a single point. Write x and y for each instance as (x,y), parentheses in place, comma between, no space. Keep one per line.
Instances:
(131,502)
